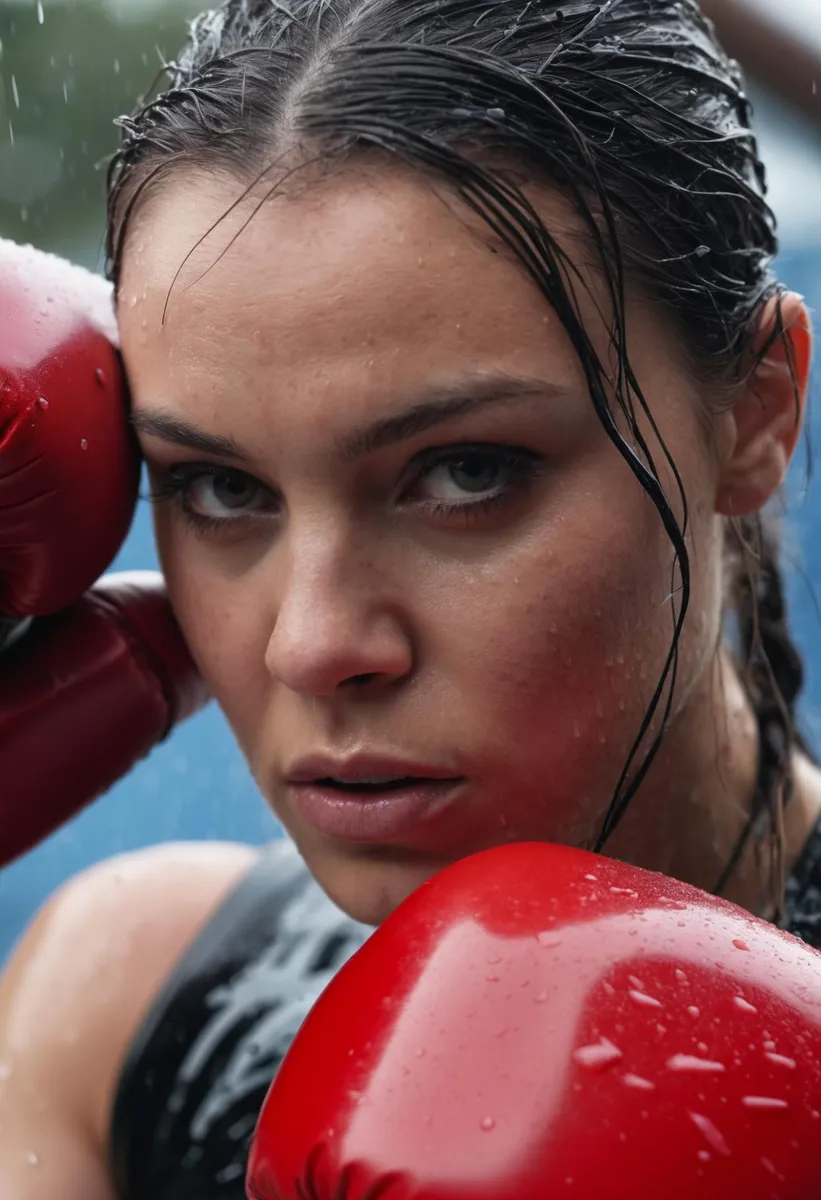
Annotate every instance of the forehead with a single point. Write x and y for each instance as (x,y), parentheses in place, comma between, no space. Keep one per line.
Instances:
(354,283)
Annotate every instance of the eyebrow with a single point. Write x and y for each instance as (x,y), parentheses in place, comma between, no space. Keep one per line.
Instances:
(441,403)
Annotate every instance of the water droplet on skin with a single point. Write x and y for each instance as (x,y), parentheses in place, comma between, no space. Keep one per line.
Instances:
(740,944)
(744,1005)
(487,1123)
(764,1103)
(598,1056)
(704,1155)
(636,1081)
(608,989)
(33,1158)
(694,1011)
(768,1045)
(99,375)
(42,402)
(689,1062)
(712,1136)
(592,878)
(635,982)
(781,1060)
(83,443)
(6,1069)
(680,976)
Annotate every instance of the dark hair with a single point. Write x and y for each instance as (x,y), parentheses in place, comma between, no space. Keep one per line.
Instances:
(630,108)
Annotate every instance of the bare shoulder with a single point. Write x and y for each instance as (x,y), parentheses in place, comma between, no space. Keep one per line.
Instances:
(84,975)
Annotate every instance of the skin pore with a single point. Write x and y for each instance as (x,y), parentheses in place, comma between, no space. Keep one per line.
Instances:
(489,594)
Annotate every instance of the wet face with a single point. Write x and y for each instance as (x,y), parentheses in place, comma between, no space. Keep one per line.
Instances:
(392,524)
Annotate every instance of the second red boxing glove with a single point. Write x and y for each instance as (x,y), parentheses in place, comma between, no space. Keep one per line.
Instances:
(537,1022)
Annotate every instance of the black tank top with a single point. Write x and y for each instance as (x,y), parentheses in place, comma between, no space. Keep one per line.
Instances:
(196,1075)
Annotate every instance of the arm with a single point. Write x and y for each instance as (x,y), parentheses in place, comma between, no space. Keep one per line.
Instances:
(72,999)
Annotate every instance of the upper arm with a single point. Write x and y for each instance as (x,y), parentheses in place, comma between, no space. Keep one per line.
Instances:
(75,992)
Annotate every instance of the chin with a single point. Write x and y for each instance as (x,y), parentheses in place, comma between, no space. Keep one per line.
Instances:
(369,883)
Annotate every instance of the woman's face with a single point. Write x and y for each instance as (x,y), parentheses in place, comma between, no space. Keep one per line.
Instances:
(392,525)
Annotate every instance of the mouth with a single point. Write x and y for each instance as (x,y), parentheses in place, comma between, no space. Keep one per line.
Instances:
(375,809)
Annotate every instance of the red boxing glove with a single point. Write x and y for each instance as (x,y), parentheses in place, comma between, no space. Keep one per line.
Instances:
(87,692)
(538,1022)
(69,466)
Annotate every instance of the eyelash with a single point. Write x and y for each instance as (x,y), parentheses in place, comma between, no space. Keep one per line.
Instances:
(523,466)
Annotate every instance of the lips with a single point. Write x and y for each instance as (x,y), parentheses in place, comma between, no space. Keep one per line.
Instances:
(384,813)
(366,769)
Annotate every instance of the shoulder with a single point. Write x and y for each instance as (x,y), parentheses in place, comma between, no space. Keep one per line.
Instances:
(84,975)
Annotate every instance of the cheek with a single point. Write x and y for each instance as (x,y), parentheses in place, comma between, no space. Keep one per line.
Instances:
(561,654)
(226,621)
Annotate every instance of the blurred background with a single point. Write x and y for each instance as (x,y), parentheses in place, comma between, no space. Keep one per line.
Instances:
(66,70)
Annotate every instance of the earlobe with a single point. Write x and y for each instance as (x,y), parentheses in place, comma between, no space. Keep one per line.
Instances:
(768,411)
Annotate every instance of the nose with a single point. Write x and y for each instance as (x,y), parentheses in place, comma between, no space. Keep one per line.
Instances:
(337,624)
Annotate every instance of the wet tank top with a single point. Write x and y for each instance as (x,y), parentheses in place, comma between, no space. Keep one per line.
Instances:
(198,1071)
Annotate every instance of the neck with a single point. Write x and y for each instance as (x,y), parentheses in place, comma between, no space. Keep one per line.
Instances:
(692,808)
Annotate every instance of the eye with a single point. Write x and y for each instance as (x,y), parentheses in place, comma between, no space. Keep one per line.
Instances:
(224,494)
(210,496)
(468,472)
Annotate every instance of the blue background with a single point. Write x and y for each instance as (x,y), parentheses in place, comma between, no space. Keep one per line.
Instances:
(197,786)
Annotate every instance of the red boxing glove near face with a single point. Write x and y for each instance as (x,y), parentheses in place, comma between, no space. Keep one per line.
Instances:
(69,467)
(537,1022)
(91,677)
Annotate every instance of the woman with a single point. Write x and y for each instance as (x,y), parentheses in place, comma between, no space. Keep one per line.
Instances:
(463,382)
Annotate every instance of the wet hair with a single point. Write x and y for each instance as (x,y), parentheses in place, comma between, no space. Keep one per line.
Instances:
(629,108)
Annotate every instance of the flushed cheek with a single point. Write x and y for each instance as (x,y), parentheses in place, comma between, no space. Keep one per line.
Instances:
(569,661)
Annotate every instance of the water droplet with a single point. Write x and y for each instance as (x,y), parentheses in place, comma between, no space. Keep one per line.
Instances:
(781,1060)
(704,1155)
(498,114)
(680,976)
(643,999)
(636,1081)
(83,443)
(597,1056)
(693,1011)
(712,1136)
(99,375)
(635,982)
(608,988)
(42,402)
(740,944)
(487,1123)
(744,1005)
(33,1158)
(6,1069)
(540,998)
(689,1062)
(764,1103)
(592,878)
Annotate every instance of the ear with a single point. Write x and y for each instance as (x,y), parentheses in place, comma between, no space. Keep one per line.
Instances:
(765,420)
